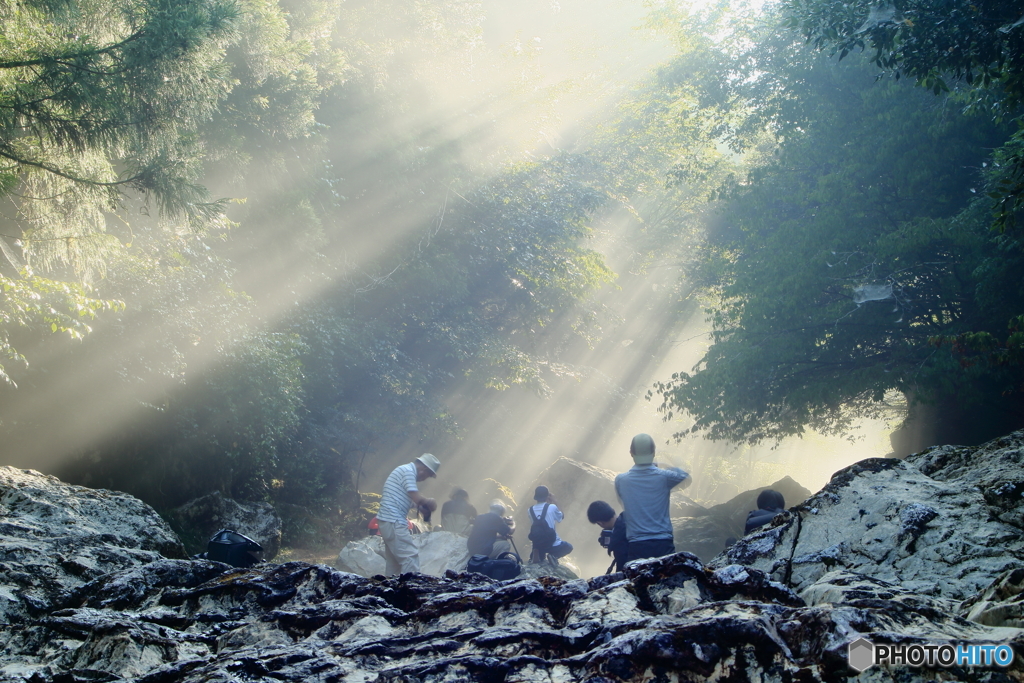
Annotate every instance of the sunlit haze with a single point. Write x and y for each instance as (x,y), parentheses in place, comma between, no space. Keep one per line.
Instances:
(538,80)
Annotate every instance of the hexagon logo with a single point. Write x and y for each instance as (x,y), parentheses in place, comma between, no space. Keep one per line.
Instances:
(861,654)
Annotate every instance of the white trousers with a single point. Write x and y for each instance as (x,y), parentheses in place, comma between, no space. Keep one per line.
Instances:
(400,550)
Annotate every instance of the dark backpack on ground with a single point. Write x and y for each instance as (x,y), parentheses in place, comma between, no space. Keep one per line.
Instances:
(231,547)
(506,566)
(541,533)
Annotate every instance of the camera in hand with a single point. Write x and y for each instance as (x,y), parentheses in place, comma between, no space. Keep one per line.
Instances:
(605,538)
(425,512)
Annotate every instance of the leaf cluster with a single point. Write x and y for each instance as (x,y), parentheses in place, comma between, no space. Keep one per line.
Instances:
(844,251)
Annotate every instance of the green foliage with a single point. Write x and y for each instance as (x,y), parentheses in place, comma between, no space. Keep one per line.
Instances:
(980,43)
(506,263)
(35,303)
(366,267)
(92,88)
(838,259)
(98,99)
(976,45)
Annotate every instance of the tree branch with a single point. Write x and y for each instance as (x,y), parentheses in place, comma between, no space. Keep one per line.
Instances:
(68,176)
(63,59)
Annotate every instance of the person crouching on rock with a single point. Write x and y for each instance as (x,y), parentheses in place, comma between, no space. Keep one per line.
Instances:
(543,517)
(644,491)
(491,532)
(457,514)
(613,534)
(769,503)
(401,493)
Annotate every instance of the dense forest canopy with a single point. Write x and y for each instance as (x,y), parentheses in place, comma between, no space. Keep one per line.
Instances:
(857,261)
(247,245)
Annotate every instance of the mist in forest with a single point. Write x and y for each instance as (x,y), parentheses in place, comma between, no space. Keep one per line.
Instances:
(512,82)
(500,232)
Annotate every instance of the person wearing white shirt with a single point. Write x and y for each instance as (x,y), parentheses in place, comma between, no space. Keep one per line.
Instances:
(401,493)
(547,508)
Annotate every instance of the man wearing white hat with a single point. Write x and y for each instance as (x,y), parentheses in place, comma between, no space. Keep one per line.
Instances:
(644,491)
(401,493)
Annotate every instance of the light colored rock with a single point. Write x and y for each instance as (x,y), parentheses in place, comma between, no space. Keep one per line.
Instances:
(683,597)
(201,518)
(439,552)
(995,469)
(889,520)
(565,569)
(842,587)
(1001,604)
(183,622)
(364,556)
(609,606)
(55,537)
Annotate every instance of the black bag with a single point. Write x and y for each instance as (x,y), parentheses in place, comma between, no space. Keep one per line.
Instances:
(231,547)
(541,533)
(506,566)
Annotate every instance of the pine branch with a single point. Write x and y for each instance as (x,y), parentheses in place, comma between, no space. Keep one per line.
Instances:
(68,176)
(63,60)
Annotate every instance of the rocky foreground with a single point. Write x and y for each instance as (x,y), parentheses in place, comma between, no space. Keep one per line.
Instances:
(927,550)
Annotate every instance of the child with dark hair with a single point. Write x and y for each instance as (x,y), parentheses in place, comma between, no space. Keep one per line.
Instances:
(613,536)
(769,503)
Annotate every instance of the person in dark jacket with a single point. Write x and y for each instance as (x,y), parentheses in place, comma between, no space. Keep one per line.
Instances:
(457,514)
(491,532)
(603,515)
(769,503)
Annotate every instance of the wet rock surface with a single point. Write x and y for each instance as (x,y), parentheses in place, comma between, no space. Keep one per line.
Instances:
(940,523)
(787,612)
(665,619)
(54,537)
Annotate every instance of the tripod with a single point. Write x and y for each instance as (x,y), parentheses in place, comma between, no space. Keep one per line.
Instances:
(512,541)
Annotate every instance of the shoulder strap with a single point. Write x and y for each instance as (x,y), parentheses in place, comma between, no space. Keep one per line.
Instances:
(544,512)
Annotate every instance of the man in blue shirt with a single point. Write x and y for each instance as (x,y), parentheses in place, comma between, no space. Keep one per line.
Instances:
(644,491)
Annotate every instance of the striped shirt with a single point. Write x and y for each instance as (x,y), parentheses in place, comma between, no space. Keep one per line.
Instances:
(395,503)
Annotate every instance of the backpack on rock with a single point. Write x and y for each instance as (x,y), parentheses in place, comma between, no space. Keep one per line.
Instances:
(506,566)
